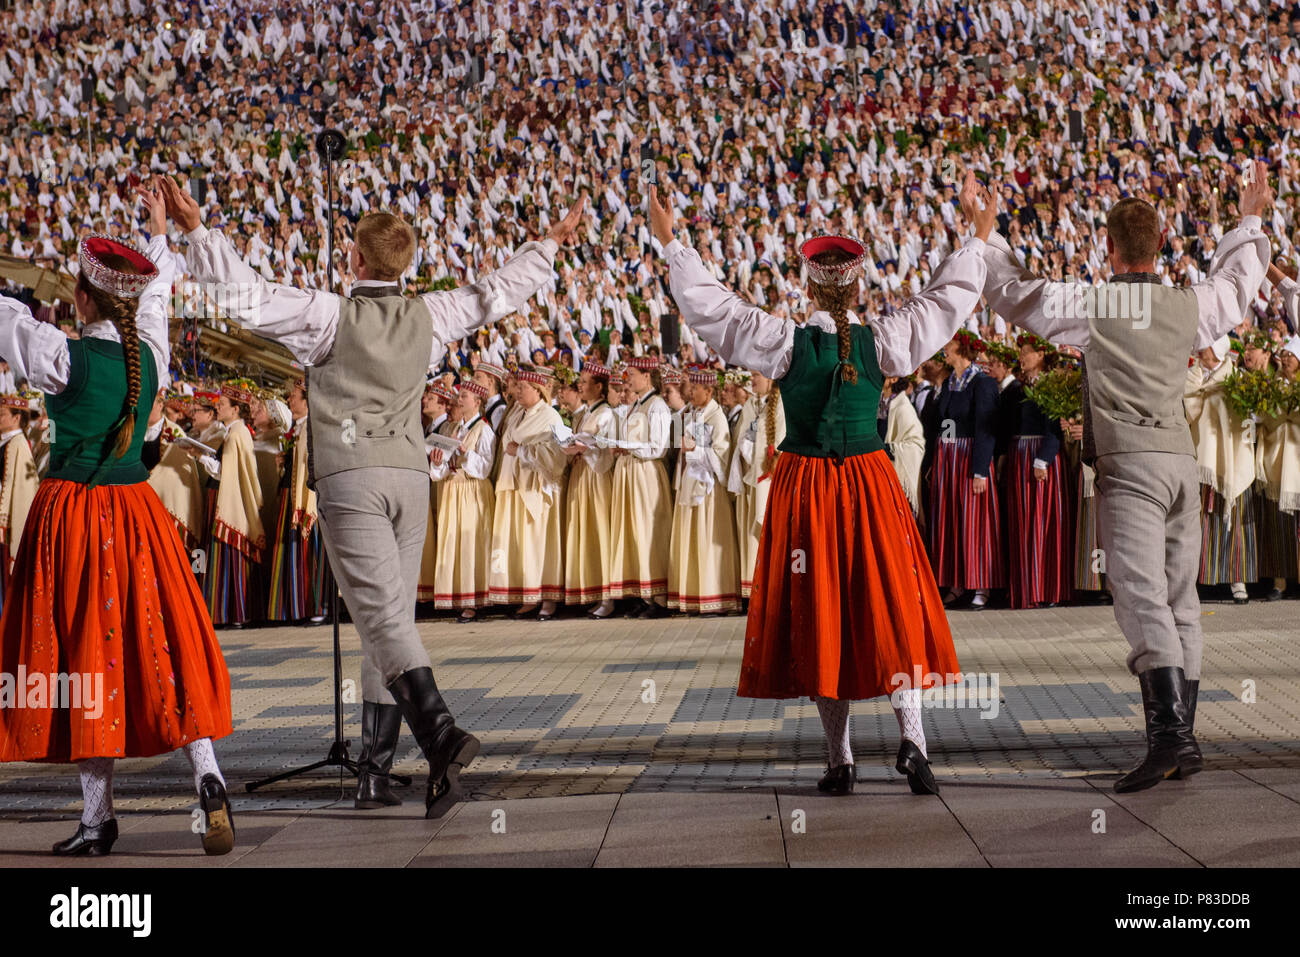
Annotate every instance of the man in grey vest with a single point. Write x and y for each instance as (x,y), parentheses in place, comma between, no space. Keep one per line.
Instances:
(1137,335)
(367,356)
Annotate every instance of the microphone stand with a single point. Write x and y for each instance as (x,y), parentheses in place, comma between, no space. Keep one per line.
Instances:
(330,145)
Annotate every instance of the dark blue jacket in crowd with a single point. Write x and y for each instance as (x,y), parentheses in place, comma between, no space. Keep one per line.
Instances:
(1034,422)
(973,414)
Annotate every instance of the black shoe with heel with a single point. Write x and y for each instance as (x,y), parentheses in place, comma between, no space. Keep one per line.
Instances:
(837,780)
(218,819)
(917,768)
(381,727)
(94,841)
(446,747)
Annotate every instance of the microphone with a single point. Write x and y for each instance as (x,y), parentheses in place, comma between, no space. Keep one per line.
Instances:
(330,144)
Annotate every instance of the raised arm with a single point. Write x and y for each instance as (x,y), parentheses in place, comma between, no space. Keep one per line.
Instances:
(304,321)
(458,312)
(1239,266)
(1053,310)
(37,351)
(739,331)
(916,330)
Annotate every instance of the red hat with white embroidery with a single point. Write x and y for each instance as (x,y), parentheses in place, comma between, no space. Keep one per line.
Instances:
(115,282)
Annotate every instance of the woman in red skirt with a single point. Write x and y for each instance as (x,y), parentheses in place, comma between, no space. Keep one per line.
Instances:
(1040,518)
(106,648)
(965,532)
(844,606)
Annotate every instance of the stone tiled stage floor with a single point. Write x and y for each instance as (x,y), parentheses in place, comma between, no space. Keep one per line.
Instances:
(586,763)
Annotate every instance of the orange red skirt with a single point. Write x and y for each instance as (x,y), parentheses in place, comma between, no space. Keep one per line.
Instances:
(103,590)
(843,600)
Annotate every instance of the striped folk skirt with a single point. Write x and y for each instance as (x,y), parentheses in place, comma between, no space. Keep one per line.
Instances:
(300,583)
(1040,528)
(1089,559)
(844,604)
(965,528)
(1228,550)
(102,590)
(1277,538)
(232,586)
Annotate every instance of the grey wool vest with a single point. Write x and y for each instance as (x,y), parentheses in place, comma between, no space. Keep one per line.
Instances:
(1141,335)
(364,398)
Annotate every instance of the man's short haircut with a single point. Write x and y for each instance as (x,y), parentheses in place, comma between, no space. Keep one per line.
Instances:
(387,245)
(1135,230)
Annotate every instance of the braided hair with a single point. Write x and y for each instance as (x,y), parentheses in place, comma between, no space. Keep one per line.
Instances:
(120,311)
(836,301)
(769,423)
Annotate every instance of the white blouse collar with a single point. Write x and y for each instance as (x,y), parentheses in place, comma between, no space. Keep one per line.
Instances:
(822,320)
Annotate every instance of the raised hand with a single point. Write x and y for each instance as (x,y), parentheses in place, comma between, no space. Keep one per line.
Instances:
(661,218)
(979,205)
(564,229)
(181,206)
(1257,195)
(152,196)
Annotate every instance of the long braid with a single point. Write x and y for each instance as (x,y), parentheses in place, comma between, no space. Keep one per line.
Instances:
(126,328)
(836,300)
(769,427)
(120,311)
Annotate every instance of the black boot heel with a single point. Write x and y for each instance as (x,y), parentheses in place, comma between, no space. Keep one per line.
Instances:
(914,764)
(94,841)
(837,780)
(218,818)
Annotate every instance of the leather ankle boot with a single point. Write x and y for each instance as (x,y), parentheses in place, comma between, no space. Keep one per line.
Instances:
(837,780)
(94,841)
(1169,736)
(381,727)
(446,747)
(1190,759)
(917,768)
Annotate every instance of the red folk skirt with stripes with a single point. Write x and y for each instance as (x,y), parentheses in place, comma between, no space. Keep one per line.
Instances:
(103,589)
(965,528)
(1040,528)
(843,599)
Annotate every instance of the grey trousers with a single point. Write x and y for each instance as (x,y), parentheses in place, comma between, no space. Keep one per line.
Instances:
(1149,527)
(373,522)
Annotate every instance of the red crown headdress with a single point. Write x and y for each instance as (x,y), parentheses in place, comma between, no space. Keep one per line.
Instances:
(838,275)
(128,285)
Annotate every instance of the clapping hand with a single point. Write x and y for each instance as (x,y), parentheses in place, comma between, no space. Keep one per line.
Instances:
(181,206)
(152,195)
(564,229)
(979,205)
(661,218)
(1257,195)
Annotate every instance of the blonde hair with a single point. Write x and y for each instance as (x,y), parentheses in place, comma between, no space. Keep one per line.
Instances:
(386,243)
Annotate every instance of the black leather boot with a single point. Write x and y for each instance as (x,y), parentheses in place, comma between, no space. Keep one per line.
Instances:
(917,768)
(446,747)
(381,727)
(1190,759)
(1169,735)
(837,780)
(94,841)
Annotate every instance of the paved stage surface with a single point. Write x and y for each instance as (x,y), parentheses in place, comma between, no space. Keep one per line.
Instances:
(623,743)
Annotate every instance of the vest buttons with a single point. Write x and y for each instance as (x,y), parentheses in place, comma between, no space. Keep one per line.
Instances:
(368,432)
(392,431)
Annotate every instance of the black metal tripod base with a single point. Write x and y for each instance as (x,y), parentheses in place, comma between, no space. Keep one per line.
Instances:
(337,758)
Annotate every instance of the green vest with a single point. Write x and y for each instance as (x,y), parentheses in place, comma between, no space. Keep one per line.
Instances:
(83,416)
(826,417)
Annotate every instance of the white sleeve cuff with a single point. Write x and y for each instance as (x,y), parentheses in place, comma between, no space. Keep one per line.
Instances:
(197,234)
(1252,222)
(673,248)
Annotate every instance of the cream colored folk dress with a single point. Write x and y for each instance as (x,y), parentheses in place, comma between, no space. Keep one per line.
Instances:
(527,561)
(750,481)
(463,553)
(587,535)
(703,574)
(641,513)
